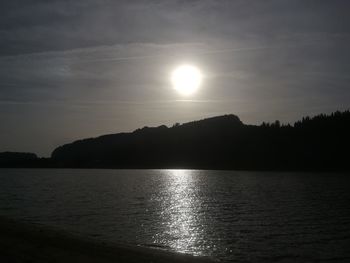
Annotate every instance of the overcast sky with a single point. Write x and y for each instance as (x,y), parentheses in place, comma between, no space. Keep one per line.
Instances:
(83,68)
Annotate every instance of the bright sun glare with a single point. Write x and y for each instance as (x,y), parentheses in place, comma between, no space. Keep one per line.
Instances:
(186,79)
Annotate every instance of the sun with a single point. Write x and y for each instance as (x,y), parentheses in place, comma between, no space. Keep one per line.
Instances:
(186,79)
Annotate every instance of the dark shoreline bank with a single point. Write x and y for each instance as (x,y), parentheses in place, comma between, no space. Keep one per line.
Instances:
(180,168)
(218,143)
(26,242)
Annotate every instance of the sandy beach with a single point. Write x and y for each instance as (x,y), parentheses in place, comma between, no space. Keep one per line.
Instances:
(24,242)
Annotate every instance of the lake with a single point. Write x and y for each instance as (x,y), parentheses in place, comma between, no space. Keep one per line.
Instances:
(228,215)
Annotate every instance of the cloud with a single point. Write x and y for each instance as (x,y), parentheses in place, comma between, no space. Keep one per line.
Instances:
(37,26)
(88,67)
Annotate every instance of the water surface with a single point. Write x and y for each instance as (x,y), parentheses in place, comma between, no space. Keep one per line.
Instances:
(228,215)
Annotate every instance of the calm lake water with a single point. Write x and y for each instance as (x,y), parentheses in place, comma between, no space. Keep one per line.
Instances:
(228,215)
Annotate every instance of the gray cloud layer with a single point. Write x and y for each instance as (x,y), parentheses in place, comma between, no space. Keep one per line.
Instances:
(70,69)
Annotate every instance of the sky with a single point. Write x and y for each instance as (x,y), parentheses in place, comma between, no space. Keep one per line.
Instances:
(84,68)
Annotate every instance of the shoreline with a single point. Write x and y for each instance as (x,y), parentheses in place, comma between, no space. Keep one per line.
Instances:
(27,242)
(189,169)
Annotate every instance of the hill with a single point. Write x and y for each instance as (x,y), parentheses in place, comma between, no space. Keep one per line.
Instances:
(11,159)
(224,142)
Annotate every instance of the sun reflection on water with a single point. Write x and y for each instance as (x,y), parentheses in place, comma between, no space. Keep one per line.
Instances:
(180,212)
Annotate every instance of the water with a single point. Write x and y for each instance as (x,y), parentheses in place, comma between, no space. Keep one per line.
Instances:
(228,215)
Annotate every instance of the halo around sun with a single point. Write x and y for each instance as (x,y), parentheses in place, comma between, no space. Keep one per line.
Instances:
(186,79)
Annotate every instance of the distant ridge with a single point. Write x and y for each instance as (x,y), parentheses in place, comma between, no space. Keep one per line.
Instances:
(223,142)
(9,159)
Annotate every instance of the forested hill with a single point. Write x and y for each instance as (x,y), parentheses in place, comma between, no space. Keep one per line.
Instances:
(224,142)
(14,159)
